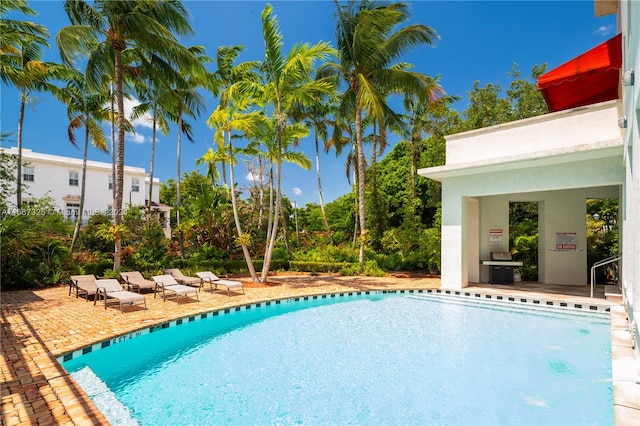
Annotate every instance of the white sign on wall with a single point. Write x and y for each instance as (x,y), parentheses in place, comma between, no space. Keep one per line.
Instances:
(495,237)
(566,241)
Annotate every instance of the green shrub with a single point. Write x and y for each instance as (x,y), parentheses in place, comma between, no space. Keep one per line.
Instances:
(328,253)
(371,269)
(315,267)
(350,269)
(98,268)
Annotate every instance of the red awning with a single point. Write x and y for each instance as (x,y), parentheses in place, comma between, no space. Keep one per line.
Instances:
(587,79)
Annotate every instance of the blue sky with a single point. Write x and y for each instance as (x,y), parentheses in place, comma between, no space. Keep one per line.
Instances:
(479,40)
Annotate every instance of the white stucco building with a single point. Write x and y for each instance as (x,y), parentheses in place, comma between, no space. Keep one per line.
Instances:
(588,148)
(61,179)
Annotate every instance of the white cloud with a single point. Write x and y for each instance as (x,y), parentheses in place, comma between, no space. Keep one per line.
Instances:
(297,191)
(251,177)
(136,138)
(145,121)
(604,30)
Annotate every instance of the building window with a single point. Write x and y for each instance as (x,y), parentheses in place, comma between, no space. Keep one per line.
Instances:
(72,211)
(73,178)
(110,181)
(28,174)
(135,185)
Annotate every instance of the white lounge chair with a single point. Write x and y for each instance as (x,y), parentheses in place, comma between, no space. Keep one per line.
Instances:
(136,281)
(83,284)
(213,280)
(167,286)
(110,290)
(182,279)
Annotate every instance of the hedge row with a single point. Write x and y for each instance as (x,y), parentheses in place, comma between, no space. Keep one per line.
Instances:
(313,267)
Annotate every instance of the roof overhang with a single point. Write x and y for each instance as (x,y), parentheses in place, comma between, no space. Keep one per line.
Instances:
(590,78)
(598,150)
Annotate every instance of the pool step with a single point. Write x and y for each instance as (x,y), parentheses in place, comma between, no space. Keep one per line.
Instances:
(104,399)
(612,293)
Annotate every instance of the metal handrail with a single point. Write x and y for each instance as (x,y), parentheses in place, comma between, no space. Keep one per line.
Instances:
(598,264)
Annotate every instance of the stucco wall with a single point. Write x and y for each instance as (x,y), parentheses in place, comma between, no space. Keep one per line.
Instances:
(567,130)
(51,177)
(628,20)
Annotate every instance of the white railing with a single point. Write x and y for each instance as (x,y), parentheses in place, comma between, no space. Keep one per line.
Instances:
(601,263)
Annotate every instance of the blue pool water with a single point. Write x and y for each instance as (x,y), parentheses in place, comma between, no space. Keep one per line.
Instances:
(377,359)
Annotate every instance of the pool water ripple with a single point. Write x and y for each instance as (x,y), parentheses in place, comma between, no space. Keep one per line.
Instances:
(374,360)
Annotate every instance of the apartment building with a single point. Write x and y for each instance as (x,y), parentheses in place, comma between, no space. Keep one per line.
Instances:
(61,179)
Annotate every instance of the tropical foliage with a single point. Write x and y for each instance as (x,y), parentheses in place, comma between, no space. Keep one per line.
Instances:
(345,99)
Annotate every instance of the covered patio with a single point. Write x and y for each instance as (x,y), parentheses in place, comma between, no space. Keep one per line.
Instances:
(558,160)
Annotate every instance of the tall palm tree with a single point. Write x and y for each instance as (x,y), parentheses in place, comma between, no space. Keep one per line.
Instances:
(232,115)
(152,80)
(318,116)
(84,109)
(22,65)
(227,74)
(368,43)
(187,101)
(266,136)
(101,31)
(286,82)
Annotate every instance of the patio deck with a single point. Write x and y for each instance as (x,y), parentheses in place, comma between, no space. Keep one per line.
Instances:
(40,325)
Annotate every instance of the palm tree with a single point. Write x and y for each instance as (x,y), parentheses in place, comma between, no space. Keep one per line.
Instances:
(152,81)
(232,115)
(186,100)
(368,44)
(318,116)
(101,31)
(21,65)
(286,82)
(84,109)
(14,32)
(266,136)
(227,74)
(211,159)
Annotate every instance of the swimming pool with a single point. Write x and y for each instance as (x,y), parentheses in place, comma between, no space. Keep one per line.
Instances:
(371,359)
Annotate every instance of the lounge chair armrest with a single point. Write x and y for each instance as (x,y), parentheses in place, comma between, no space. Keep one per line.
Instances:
(130,285)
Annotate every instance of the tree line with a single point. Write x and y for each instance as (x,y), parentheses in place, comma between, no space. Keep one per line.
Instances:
(264,109)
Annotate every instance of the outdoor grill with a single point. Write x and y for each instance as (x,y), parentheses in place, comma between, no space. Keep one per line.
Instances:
(501,267)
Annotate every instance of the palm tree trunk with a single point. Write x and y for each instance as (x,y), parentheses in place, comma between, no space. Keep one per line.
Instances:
(223,167)
(324,213)
(119,181)
(261,175)
(236,218)
(153,156)
(178,201)
(113,147)
(361,162)
(356,222)
(23,101)
(76,230)
(272,241)
(270,214)
(284,227)
(374,187)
